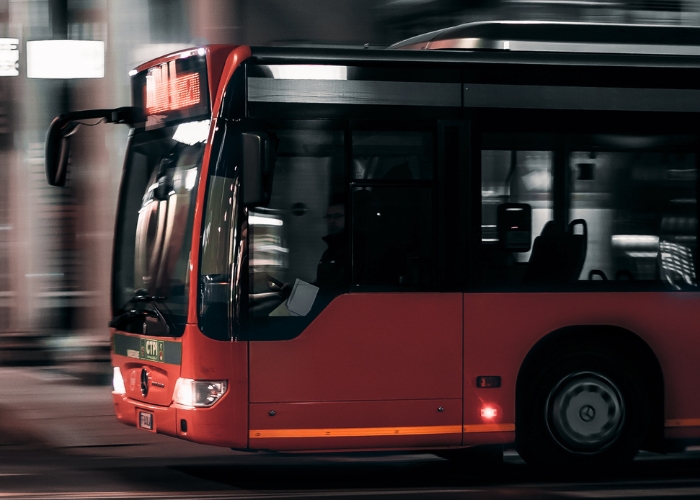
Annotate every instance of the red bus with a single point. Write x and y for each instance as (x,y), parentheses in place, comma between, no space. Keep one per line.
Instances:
(486,235)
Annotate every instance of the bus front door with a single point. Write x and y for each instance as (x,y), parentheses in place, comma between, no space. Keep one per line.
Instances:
(380,370)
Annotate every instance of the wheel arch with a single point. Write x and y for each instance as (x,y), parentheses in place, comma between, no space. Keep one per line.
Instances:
(609,339)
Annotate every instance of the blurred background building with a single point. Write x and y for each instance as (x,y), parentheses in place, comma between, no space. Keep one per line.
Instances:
(55,244)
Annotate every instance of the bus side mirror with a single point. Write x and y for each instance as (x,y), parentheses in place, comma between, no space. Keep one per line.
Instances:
(58,149)
(258,168)
(57,146)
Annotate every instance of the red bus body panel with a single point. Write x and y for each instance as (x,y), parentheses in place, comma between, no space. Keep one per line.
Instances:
(500,329)
(384,371)
(157,400)
(384,362)
(224,424)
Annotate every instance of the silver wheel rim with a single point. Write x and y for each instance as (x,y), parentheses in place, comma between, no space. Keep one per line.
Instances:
(585,412)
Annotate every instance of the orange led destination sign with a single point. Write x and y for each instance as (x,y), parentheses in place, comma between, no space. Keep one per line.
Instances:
(166,90)
(171,92)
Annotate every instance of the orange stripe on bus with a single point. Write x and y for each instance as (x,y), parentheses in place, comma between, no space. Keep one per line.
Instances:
(356,431)
(379,431)
(683,422)
(489,428)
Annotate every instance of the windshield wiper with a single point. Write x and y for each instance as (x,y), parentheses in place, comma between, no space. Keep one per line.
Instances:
(141,296)
(119,320)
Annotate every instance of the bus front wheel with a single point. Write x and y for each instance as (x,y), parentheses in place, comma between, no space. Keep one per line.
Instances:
(582,412)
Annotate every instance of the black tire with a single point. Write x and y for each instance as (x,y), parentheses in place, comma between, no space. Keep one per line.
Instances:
(583,410)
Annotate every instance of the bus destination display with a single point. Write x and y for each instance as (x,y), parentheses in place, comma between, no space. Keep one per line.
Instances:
(172,91)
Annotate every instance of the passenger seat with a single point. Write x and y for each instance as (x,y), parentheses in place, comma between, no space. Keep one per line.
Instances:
(557,257)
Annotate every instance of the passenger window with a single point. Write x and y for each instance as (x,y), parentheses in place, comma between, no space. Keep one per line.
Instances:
(626,215)
(512,177)
(641,208)
(392,207)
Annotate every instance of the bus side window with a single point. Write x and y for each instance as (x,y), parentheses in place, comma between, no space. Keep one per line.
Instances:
(392,235)
(392,207)
(512,178)
(641,210)
(626,210)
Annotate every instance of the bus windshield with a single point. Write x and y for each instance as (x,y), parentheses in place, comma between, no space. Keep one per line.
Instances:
(154,229)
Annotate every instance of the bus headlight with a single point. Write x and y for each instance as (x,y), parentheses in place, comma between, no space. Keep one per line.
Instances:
(198,393)
(118,382)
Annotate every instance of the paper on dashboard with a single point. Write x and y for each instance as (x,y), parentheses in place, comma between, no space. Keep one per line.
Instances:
(302,298)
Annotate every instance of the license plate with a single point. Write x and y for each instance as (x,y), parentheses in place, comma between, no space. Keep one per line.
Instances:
(146,420)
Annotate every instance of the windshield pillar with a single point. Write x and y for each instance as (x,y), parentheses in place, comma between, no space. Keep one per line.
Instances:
(224,248)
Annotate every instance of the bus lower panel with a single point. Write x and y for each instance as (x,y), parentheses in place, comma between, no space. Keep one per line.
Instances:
(682,433)
(386,443)
(213,426)
(127,411)
(356,424)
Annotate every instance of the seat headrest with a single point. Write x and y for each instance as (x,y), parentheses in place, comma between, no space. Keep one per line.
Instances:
(549,230)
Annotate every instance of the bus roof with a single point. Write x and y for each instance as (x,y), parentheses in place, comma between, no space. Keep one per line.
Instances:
(378,57)
(543,36)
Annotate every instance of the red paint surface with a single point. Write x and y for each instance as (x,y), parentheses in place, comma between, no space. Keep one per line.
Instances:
(207,359)
(361,415)
(127,408)
(234,57)
(356,414)
(217,58)
(385,360)
(500,329)
(366,347)
(402,413)
(157,372)
(224,424)
(163,373)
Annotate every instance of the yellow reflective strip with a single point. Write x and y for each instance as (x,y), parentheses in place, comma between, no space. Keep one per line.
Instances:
(356,431)
(683,422)
(489,428)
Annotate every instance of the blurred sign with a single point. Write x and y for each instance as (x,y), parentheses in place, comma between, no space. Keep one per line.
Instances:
(173,91)
(9,57)
(166,90)
(65,59)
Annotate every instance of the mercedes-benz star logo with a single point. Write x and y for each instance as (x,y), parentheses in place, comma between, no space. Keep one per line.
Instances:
(144,382)
(587,413)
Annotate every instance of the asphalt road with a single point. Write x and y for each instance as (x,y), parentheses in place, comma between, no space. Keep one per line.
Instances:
(59,439)
(31,471)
